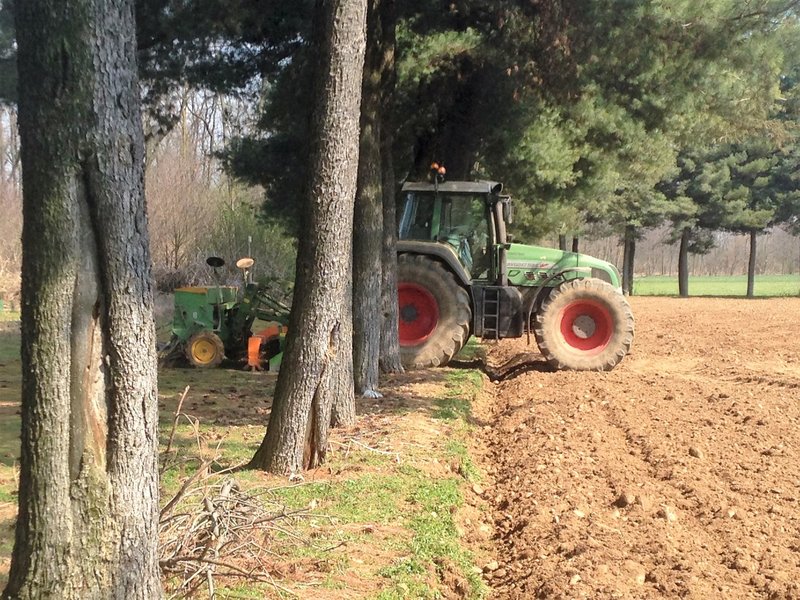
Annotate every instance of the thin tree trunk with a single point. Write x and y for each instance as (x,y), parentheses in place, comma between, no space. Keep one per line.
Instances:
(751,264)
(296,436)
(628,259)
(343,411)
(368,223)
(575,244)
(683,263)
(562,242)
(390,361)
(88,495)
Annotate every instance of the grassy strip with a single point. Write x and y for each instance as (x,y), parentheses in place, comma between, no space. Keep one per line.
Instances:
(736,285)
(384,506)
(435,544)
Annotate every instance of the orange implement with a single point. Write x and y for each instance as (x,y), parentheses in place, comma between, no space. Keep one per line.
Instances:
(257,340)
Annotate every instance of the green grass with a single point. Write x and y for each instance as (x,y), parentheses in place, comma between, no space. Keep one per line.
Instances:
(434,545)
(457,403)
(736,285)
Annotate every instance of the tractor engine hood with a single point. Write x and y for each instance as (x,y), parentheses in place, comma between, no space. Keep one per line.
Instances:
(528,265)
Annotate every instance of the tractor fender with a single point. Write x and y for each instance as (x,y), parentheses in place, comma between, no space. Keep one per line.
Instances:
(440,251)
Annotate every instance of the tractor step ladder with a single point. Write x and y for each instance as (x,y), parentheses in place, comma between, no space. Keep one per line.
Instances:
(491,313)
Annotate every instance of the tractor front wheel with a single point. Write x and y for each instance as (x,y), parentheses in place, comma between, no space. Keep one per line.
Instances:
(584,325)
(435,313)
(205,350)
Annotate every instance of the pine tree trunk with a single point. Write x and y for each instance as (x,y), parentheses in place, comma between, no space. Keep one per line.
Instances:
(368,223)
(296,436)
(575,244)
(751,264)
(390,340)
(683,263)
(88,496)
(628,259)
(343,411)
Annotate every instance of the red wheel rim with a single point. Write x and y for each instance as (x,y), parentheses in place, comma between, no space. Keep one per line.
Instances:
(586,326)
(419,314)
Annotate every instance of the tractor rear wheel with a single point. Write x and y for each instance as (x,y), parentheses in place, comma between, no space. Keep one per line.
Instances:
(435,313)
(205,350)
(584,325)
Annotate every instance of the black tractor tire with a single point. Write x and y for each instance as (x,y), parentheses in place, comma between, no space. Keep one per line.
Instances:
(584,325)
(205,350)
(435,312)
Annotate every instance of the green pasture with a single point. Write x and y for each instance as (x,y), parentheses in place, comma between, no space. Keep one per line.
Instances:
(735,285)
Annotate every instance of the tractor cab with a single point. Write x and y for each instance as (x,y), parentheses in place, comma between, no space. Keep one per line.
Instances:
(465,217)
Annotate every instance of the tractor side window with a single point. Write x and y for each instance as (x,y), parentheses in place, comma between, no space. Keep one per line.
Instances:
(415,223)
(465,226)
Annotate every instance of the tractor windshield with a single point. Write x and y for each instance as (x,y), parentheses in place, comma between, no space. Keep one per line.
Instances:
(461,220)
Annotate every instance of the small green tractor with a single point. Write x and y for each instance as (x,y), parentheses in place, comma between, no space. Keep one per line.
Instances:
(214,322)
(459,274)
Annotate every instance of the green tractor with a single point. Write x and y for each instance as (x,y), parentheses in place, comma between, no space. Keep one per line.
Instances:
(459,274)
(215,322)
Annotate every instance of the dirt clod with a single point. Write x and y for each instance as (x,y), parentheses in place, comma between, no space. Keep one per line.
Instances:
(625,499)
(696,452)
(491,566)
(667,513)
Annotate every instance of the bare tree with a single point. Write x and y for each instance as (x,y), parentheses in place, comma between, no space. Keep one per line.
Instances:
(88,495)
(296,437)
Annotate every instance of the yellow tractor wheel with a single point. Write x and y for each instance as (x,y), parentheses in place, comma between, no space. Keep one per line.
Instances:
(205,350)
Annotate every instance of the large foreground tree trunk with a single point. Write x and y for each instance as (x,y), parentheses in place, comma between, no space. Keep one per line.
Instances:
(88,494)
(628,259)
(390,361)
(751,264)
(296,437)
(367,233)
(683,263)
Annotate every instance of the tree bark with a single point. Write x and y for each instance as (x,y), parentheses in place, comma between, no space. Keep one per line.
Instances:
(88,497)
(368,229)
(343,411)
(683,263)
(390,361)
(575,243)
(296,436)
(751,264)
(628,259)
(562,242)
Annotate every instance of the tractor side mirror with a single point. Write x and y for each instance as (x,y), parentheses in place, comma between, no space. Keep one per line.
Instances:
(508,210)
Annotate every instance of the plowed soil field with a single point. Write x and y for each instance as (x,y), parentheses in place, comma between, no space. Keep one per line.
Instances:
(677,475)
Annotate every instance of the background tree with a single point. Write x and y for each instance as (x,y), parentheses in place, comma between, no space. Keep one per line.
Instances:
(88,499)
(368,235)
(389,360)
(296,437)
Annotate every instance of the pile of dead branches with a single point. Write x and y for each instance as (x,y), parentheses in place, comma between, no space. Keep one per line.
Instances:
(212,530)
(216,530)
